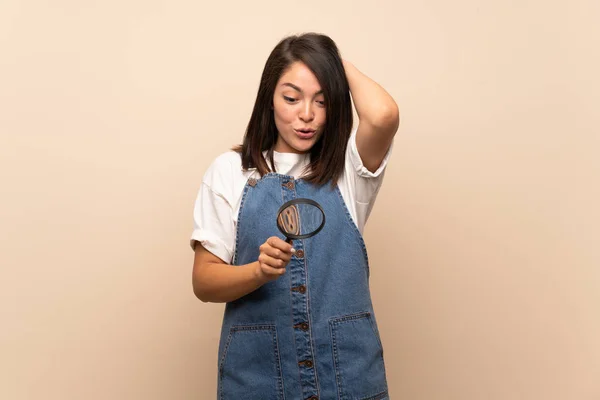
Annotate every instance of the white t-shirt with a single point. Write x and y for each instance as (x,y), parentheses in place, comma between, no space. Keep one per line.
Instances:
(219,198)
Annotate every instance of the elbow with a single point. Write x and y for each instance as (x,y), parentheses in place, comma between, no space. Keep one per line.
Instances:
(201,297)
(199,291)
(205,295)
(387,118)
(390,117)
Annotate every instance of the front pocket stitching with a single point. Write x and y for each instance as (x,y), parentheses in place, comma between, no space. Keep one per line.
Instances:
(335,359)
(259,327)
(336,321)
(222,362)
(348,317)
(378,396)
(362,314)
(278,364)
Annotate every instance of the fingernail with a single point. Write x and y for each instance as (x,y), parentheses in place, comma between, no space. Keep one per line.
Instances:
(293,250)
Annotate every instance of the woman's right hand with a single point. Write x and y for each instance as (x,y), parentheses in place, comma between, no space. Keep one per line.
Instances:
(275,254)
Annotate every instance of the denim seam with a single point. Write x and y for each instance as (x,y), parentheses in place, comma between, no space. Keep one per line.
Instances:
(364,314)
(308,313)
(334,351)
(310,325)
(333,323)
(256,327)
(293,334)
(354,227)
(240,221)
(278,364)
(378,396)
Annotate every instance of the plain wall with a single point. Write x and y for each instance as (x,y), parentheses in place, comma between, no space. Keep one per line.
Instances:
(484,241)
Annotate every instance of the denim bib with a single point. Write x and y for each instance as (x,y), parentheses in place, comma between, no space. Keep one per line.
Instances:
(312,333)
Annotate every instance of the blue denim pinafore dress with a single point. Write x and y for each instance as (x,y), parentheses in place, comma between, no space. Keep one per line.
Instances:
(310,334)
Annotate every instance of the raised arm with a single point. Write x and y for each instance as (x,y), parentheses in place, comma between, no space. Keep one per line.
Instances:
(378,116)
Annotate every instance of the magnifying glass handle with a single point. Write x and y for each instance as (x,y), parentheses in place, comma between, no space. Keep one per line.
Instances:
(288,240)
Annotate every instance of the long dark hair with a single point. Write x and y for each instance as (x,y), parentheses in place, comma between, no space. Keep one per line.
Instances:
(321,55)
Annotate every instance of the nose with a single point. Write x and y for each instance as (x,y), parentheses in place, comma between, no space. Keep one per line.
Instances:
(307,114)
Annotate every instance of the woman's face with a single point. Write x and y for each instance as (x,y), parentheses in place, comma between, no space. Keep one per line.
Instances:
(298,104)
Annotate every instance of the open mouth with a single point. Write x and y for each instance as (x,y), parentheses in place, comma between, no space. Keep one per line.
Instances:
(305,134)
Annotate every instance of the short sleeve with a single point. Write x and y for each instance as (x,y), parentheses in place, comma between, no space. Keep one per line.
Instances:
(364,183)
(213,212)
(359,186)
(357,163)
(213,225)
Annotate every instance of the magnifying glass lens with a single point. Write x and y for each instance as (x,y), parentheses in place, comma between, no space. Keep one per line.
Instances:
(300,218)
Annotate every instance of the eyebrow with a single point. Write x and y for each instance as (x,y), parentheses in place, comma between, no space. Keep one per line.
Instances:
(298,89)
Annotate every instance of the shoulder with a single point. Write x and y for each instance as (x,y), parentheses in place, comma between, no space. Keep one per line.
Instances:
(227,161)
(225,170)
(224,166)
(225,176)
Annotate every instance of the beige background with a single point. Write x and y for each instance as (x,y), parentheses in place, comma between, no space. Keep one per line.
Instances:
(483,243)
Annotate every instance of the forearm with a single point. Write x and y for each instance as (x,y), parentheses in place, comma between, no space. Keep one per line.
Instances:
(220,283)
(373,104)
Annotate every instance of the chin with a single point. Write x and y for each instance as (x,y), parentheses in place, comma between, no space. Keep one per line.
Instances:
(304,146)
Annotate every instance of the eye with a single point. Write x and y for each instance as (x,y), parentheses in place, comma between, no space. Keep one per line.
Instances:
(321,102)
(289,99)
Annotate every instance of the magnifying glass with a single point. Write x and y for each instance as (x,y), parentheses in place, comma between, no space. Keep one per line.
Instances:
(300,219)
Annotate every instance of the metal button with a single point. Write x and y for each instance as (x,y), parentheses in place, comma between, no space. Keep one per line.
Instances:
(301,289)
(307,363)
(252,182)
(300,253)
(313,398)
(290,185)
(303,326)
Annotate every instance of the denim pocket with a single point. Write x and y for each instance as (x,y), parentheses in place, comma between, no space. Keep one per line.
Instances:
(358,358)
(250,367)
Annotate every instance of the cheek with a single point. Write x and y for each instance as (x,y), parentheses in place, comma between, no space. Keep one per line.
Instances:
(322,116)
(284,114)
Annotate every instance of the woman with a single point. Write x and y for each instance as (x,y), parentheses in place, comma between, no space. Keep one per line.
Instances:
(299,321)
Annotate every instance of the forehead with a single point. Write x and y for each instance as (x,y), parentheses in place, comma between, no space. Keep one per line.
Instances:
(301,76)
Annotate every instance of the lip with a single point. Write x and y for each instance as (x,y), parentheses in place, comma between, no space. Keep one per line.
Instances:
(306,135)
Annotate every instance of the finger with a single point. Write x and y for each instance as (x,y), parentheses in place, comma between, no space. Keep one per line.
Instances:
(277,254)
(272,262)
(267,270)
(276,242)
